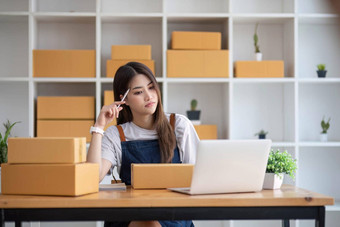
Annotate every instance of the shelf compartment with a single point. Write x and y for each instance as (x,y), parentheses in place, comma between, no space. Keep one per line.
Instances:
(194,6)
(132,6)
(65,6)
(14,46)
(319,169)
(263,6)
(64,32)
(132,31)
(315,102)
(276,40)
(312,33)
(15,101)
(315,6)
(267,106)
(14,5)
(199,24)
(212,101)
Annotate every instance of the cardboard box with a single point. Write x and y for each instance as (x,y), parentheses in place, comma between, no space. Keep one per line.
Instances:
(196,40)
(206,132)
(64,63)
(252,69)
(113,65)
(65,128)
(46,150)
(109,99)
(126,52)
(65,108)
(146,176)
(49,179)
(198,63)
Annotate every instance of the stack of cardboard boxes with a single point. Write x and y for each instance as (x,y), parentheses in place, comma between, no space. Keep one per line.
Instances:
(122,54)
(65,116)
(197,54)
(48,166)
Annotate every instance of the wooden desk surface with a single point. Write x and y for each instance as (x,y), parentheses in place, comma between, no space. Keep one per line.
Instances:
(286,196)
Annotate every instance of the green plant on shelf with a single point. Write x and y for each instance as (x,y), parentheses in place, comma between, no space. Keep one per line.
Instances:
(261,133)
(325,125)
(3,141)
(321,67)
(193,104)
(256,40)
(281,162)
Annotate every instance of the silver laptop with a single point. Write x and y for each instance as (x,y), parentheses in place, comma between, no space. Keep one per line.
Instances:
(227,166)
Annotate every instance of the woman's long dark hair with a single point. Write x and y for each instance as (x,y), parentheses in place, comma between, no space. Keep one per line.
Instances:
(166,135)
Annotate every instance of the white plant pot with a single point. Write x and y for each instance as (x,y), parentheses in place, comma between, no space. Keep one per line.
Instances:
(323,137)
(272,181)
(258,56)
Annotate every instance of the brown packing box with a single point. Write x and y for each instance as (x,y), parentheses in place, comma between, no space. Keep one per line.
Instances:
(198,63)
(126,52)
(206,132)
(146,176)
(109,99)
(259,69)
(81,107)
(64,63)
(46,150)
(113,65)
(186,40)
(49,179)
(64,128)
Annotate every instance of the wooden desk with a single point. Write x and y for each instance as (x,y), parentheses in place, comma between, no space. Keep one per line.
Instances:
(286,203)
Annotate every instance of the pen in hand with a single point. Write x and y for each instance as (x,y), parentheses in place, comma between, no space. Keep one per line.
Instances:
(124,97)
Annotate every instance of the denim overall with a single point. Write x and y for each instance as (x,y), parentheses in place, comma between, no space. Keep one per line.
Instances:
(143,151)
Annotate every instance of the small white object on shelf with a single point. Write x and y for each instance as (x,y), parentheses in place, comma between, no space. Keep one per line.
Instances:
(323,137)
(258,56)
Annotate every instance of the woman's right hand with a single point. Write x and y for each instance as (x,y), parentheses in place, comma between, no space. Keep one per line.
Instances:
(108,114)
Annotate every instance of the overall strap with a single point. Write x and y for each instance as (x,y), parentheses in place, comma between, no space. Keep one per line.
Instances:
(173,120)
(121,133)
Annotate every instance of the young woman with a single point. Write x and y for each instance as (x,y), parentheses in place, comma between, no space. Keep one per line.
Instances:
(144,133)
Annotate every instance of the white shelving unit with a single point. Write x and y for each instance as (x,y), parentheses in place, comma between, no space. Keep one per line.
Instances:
(303,33)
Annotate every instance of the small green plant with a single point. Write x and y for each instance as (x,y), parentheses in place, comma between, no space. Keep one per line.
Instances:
(321,67)
(193,104)
(325,125)
(281,162)
(256,40)
(3,141)
(262,132)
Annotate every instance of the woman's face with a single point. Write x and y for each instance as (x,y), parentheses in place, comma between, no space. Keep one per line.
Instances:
(142,98)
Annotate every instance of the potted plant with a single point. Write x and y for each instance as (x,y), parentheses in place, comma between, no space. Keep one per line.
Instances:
(193,114)
(278,164)
(258,54)
(325,127)
(3,141)
(321,70)
(3,144)
(262,134)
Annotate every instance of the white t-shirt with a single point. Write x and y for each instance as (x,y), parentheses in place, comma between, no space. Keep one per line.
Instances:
(186,138)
